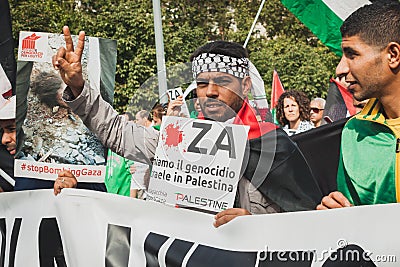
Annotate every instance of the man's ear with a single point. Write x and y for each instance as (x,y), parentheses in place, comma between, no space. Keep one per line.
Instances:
(246,85)
(393,54)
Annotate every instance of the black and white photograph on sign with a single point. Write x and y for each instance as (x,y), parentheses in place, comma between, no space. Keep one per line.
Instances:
(53,133)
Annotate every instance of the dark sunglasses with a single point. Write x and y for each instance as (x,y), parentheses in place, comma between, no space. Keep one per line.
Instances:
(316,110)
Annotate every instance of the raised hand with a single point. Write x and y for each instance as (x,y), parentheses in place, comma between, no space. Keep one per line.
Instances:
(68,61)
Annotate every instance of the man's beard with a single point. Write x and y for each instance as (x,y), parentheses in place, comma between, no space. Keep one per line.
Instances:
(225,112)
(11,146)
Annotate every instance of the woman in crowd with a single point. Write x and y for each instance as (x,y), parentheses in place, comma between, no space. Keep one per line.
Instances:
(293,112)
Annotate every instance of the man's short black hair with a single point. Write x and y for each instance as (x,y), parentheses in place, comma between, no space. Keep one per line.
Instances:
(231,49)
(376,24)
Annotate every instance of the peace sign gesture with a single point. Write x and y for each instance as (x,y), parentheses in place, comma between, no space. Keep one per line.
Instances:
(68,62)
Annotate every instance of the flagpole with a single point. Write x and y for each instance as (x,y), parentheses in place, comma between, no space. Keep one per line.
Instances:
(7,177)
(254,23)
(161,69)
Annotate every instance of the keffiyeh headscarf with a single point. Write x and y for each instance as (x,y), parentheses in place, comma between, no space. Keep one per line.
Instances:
(238,67)
(208,62)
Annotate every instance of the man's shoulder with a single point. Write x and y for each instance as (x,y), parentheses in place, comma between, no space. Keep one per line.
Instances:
(364,125)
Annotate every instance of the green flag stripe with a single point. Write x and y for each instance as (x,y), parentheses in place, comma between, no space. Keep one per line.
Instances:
(273,112)
(324,19)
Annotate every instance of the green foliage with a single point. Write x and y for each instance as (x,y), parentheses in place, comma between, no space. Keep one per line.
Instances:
(300,66)
(301,61)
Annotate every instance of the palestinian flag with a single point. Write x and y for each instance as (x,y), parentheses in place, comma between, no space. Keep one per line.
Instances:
(277,90)
(275,165)
(320,147)
(324,17)
(339,102)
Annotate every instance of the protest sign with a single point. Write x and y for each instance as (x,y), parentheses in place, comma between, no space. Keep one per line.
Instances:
(55,135)
(174,93)
(197,163)
(138,178)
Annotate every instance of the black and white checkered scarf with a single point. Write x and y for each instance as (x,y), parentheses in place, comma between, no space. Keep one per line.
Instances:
(208,62)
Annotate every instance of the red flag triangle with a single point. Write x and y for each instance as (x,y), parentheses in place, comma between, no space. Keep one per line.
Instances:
(277,89)
(347,97)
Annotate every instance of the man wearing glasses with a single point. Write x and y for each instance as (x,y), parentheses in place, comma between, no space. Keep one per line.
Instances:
(317,106)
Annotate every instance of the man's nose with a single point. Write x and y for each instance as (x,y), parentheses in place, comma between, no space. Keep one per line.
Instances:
(342,69)
(212,90)
(5,139)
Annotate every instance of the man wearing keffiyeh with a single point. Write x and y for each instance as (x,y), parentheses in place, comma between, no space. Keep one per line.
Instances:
(276,177)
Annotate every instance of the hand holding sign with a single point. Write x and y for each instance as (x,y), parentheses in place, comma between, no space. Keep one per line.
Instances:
(68,62)
(65,179)
(174,106)
(228,215)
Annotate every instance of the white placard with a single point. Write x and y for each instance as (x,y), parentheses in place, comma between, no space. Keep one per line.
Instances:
(174,93)
(197,163)
(138,177)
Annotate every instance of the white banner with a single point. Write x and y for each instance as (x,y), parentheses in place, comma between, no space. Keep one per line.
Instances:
(87,228)
(197,163)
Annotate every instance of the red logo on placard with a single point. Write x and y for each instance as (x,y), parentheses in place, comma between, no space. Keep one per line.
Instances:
(173,135)
(30,41)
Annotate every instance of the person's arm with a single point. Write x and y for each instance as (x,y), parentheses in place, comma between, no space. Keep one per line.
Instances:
(125,138)
(333,201)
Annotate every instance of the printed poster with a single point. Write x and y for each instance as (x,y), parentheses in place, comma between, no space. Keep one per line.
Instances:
(197,163)
(54,136)
(139,180)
